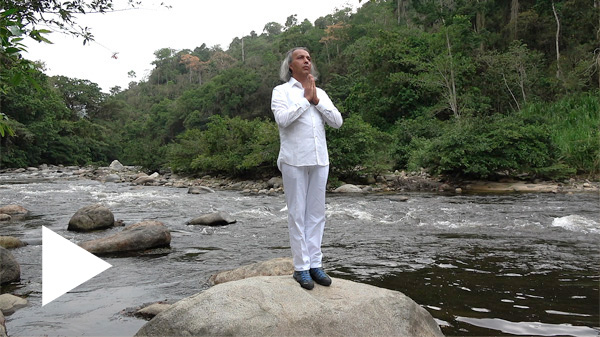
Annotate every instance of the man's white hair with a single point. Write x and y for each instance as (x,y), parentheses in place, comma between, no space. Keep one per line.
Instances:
(285,73)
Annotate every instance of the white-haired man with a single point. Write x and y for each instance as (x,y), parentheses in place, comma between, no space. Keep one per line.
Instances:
(301,111)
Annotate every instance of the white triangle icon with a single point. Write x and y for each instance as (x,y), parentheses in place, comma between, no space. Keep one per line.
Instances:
(65,265)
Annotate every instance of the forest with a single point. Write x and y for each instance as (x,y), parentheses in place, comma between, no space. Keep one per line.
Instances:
(478,89)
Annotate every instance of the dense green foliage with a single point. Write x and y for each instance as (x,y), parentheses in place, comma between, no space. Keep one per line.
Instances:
(460,88)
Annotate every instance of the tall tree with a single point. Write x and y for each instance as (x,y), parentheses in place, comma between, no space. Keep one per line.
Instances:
(36,19)
(556,41)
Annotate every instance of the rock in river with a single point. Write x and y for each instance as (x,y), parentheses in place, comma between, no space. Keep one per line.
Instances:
(140,236)
(13,210)
(10,271)
(278,306)
(212,219)
(91,218)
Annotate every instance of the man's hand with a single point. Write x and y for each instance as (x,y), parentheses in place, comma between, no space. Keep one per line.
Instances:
(310,90)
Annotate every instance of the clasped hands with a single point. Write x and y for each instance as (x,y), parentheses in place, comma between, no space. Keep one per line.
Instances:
(310,90)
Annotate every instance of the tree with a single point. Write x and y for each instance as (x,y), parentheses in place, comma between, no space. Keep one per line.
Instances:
(82,97)
(36,19)
(273,28)
(558,70)
(333,33)
(194,65)
(291,21)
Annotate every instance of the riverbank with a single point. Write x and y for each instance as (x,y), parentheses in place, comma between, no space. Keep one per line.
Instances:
(399,181)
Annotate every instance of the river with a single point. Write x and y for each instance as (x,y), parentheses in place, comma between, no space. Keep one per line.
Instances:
(481,264)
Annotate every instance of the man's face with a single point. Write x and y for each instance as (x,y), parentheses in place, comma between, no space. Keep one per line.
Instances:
(301,64)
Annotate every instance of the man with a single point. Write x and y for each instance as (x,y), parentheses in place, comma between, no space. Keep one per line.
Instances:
(301,111)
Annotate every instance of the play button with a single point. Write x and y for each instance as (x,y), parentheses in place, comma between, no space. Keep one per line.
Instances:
(65,265)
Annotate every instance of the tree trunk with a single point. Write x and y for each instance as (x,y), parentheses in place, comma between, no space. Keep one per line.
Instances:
(402,4)
(243,57)
(514,15)
(480,23)
(558,71)
(453,99)
(597,7)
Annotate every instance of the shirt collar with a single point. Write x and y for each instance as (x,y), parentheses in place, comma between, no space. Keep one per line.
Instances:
(294,82)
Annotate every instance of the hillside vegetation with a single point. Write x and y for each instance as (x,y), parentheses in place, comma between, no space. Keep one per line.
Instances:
(465,89)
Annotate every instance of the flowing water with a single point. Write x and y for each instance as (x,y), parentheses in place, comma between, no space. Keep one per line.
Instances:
(511,264)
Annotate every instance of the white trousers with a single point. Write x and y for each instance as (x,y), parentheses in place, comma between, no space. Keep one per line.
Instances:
(304,188)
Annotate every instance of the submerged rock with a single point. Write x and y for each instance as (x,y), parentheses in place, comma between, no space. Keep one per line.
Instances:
(278,306)
(212,219)
(200,190)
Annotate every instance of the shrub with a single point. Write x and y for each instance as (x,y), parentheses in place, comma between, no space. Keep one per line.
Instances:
(480,147)
(574,128)
(231,146)
(357,148)
(411,137)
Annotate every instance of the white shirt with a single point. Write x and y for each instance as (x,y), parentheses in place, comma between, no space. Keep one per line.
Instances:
(302,125)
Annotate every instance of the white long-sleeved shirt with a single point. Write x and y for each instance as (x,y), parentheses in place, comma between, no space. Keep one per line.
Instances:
(302,125)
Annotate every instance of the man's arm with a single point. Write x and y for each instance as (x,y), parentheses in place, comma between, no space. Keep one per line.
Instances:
(329,112)
(286,114)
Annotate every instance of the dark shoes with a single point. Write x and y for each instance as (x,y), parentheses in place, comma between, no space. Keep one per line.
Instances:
(320,277)
(303,277)
(306,277)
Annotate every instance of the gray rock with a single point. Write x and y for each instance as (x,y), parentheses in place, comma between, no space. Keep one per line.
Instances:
(275,182)
(116,166)
(278,306)
(140,236)
(13,210)
(10,271)
(91,218)
(9,303)
(144,180)
(112,178)
(2,326)
(399,198)
(212,219)
(275,267)
(10,242)
(200,190)
(153,310)
(5,217)
(348,188)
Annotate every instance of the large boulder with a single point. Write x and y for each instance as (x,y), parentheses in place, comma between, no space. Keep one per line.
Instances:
(275,267)
(140,236)
(10,271)
(278,306)
(13,210)
(212,219)
(116,166)
(91,218)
